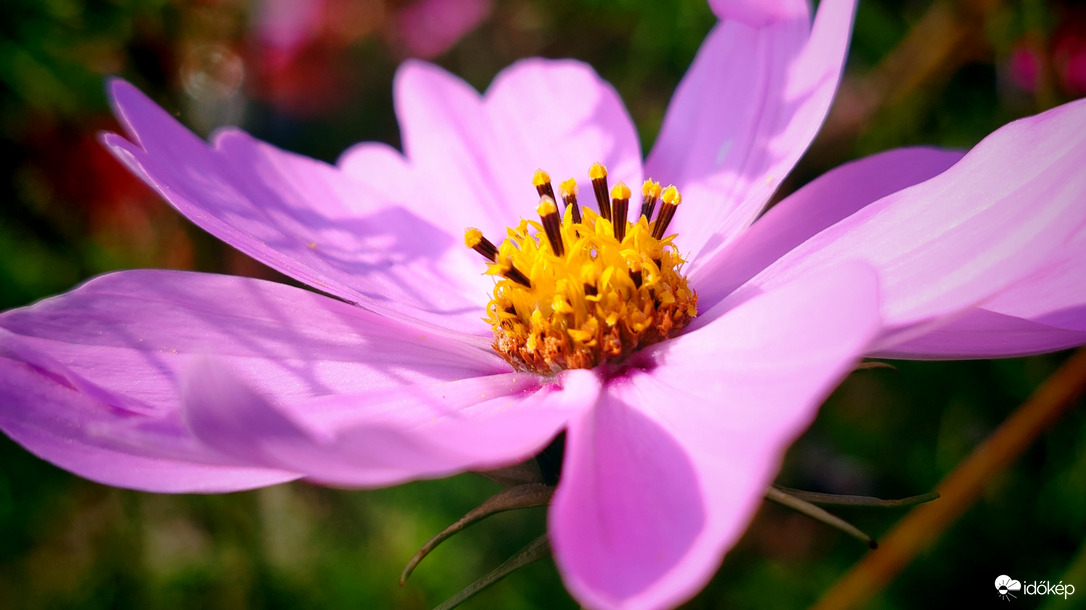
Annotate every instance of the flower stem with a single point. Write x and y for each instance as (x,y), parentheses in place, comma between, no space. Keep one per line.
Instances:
(802,506)
(865,501)
(961,487)
(511,498)
(534,551)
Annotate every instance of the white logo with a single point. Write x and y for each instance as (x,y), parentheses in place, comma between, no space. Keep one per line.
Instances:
(1005,584)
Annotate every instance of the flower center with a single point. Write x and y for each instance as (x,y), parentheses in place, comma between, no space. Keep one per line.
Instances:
(582,289)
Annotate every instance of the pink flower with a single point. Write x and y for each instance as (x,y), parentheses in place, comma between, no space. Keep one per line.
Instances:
(431,27)
(282,27)
(171,381)
(1025,67)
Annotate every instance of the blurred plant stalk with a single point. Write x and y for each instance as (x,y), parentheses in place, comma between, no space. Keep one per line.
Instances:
(961,488)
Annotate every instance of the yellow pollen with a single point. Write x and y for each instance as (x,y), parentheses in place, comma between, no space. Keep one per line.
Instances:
(597,171)
(472,237)
(620,191)
(671,196)
(546,207)
(579,293)
(540,178)
(568,187)
(650,188)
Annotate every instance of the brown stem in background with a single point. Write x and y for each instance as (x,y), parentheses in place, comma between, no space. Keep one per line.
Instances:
(949,35)
(960,489)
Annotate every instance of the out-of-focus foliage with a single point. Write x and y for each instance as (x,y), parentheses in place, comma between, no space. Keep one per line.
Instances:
(944,73)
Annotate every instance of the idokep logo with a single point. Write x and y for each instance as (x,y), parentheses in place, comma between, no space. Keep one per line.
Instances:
(1006,586)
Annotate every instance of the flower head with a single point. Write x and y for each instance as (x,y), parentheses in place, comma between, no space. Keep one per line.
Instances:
(594,287)
(676,411)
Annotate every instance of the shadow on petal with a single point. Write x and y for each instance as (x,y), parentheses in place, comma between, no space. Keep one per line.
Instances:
(623,471)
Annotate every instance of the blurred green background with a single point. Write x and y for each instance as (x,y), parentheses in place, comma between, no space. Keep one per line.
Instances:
(315,78)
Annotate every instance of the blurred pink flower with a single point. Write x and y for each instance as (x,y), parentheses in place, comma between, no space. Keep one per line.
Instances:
(178,382)
(431,27)
(302,59)
(1069,58)
(1025,67)
(1061,56)
(427,28)
(281,27)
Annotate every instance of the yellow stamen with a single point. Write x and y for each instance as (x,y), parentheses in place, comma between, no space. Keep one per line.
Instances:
(650,194)
(548,213)
(546,207)
(589,293)
(621,191)
(569,197)
(540,178)
(671,198)
(474,239)
(650,188)
(542,182)
(620,205)
(598,174)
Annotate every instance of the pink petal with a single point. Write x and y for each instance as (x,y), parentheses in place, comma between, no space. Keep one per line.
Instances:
(832,197)
(58,424)
(629,510)
(664,475)
(476,154)
(345,236)
(1003,213)
(759,13)
(393,180)
(742,116)
(109,357)
(562,117)
(980,333)
(1055,294)
(1045,312)
(130,331)
(388,436)
(440,117)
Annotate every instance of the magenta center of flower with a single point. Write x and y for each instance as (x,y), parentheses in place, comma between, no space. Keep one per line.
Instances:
(579,289)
